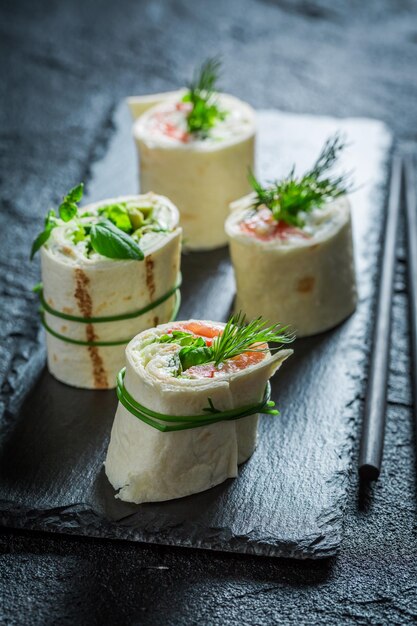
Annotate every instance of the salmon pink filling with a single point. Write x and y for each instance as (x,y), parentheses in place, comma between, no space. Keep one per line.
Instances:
(236,364)
(263,226)
(208,333)
(164,122)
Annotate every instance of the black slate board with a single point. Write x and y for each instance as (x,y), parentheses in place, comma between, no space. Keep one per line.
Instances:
(289,498)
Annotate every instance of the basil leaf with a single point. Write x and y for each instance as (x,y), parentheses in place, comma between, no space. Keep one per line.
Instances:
(67,210)
(113,243)
(50,219)
(68,207)
(190,356)
(50,223)
(40,240)
(75,194)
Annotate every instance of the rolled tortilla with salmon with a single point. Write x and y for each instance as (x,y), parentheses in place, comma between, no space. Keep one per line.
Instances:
(195,146)
(296,267)
(185,423)
(108,273)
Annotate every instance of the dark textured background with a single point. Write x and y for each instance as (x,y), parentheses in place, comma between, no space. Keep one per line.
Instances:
(65,66)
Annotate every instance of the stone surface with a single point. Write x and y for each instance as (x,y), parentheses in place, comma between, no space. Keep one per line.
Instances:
(289,498)
(65,68)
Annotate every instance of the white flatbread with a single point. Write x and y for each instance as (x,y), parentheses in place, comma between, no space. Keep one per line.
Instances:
(146,465)
(200,176)
(96,286)
(309,282)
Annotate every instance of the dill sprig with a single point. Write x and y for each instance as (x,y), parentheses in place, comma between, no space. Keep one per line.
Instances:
(239,336)
(206,76)
(204,112)
(292,196)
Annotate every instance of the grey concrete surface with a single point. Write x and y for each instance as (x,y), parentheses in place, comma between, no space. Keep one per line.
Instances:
(65,66)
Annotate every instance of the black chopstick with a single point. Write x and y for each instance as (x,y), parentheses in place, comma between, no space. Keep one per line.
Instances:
(372,440)
(411,214)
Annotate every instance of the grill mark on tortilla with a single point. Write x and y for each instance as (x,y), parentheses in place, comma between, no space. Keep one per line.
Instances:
(156,320)
(81,294)
(68,251)
(306,284)
(99,373)
(150,280)
(85,304)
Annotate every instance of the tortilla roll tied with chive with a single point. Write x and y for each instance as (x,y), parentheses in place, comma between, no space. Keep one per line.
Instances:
(146,465)
(295,262)
(201,164)
(80,282)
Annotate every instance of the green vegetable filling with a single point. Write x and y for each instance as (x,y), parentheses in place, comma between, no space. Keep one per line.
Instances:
(117,233)
(134,220)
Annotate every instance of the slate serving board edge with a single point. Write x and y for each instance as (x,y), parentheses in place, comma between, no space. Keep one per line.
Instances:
(76,520)
(81,520)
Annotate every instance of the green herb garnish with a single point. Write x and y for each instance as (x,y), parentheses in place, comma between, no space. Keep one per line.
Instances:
(68,208)
(237,337)
(111,242)
(131,219)
(204,112)
(50,223)
(67,211)
(115,235)
(292,196)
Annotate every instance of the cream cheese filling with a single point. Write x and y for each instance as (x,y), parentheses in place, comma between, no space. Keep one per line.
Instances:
(166,124)
(319,224)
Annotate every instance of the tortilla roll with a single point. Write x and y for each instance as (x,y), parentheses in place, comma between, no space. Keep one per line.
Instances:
(304,277)
(89,285)
(146,465)
(201,175)
(139,104)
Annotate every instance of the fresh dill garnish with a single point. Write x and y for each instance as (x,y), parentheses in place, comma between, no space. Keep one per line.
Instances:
(288,199)
(237,337)
(204,112)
